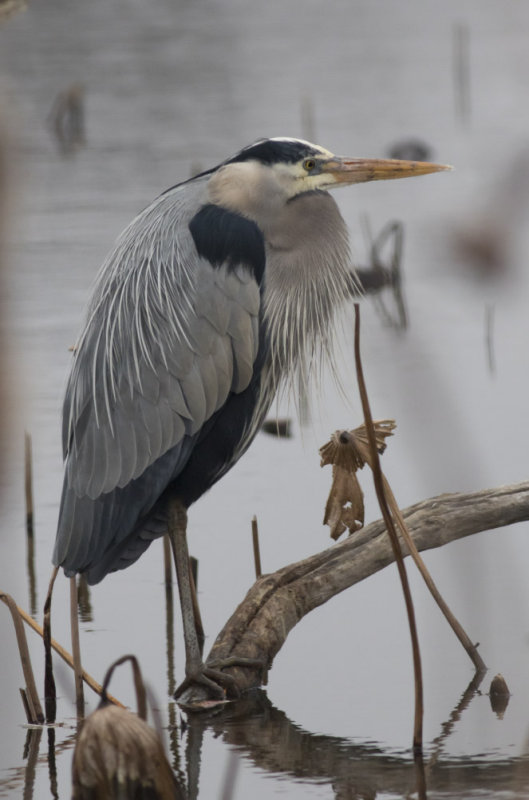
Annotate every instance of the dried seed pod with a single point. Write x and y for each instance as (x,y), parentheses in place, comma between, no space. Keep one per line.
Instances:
(499,686)
(119,755)
(499,695)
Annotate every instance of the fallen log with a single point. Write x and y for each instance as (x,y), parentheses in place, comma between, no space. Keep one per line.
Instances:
(277,602)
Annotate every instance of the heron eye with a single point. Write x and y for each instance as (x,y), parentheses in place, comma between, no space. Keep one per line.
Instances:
(309,164)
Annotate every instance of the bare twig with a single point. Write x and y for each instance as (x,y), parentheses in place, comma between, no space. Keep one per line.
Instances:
(64,654)
(456,626)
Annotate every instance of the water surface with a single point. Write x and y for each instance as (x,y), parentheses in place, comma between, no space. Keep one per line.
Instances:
(170,86)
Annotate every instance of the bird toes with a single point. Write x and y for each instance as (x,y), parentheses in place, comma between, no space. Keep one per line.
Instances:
(218,685)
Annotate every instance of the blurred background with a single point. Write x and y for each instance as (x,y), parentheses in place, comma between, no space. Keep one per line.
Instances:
(105,105)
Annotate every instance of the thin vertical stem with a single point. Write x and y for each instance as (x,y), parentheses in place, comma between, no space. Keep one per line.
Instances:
(30,538)
(50,692)
(76,649)
(395,544)
(256,549)
(28,483)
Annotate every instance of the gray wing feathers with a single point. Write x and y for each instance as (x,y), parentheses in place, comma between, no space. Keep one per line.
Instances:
(83,542)
(168,338)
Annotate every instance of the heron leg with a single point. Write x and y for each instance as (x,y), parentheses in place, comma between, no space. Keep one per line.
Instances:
(196,671)
(196,611)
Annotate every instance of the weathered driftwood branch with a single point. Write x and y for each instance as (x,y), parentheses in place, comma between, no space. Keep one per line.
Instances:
(277,602)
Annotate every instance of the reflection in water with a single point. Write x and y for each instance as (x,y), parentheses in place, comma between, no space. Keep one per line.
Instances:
(52,763)
(266,737)
(385,272)
(31,752)
(23,778)
(449,725)
(499,695)
(66,119)
(228,789)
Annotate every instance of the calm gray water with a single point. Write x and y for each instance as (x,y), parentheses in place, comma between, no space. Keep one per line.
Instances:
(172,85)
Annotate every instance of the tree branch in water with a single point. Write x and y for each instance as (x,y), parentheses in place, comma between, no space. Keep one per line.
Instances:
(277,602)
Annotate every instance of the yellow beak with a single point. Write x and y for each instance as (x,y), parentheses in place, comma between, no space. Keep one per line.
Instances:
(359,170)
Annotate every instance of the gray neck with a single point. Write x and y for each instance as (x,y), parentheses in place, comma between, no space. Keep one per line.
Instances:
(307,280)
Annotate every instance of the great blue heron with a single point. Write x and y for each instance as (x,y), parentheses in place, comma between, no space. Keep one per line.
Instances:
(218,292)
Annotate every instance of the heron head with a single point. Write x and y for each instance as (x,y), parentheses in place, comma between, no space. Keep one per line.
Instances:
(273,171)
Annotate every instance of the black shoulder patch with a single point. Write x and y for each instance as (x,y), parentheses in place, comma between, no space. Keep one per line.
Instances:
(224,237)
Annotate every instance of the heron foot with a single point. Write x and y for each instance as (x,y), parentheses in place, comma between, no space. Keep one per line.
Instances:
(218,683)
(213,679)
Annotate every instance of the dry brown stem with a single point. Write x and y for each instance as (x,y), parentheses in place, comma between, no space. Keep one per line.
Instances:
(76,649)
(256,548)
(30,696)
(456,626)
(385,498)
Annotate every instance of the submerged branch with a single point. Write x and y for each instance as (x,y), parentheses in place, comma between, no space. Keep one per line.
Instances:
(277,602)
